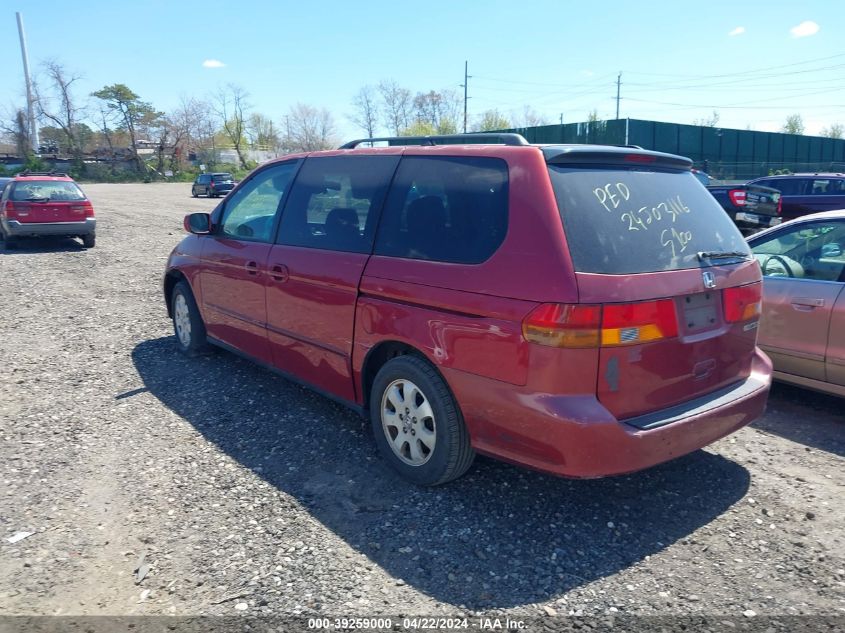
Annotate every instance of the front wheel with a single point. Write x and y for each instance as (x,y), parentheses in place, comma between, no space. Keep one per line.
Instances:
(187,322)
(417,424)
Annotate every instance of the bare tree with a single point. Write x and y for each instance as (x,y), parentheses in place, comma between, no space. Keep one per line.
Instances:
(529,117)
(438,110)
(60,107)
(397,104)
(231,107)
(309,129)
(366,110)
(16,128)
(835,130)
(189,126)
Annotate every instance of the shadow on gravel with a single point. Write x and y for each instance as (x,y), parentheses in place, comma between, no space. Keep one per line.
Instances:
(25,246)
(499,537)
(807,417)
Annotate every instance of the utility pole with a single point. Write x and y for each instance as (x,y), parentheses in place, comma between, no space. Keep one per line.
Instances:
(30,108)
(618,87)
(465,87)
(561,118)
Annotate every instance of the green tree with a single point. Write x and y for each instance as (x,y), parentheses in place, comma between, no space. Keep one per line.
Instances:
(794,125)
(130,112)
(419,128)
(491,120)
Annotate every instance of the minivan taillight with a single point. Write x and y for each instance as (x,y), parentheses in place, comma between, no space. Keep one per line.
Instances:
(742,303)
(737,196)
(608,325)
(563,325)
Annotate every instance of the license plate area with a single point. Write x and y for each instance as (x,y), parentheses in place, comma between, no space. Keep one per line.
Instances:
(700,312)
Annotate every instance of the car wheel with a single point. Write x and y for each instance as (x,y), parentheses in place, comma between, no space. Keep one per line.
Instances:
(194,194)
(187,322)
(208,193)
(417,424)
(88,241)
(8,241)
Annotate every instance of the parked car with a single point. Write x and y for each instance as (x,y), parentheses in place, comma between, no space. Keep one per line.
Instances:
(582,310)
(803,324)
(212,185)
(802,194)
(39,204)
(751,207)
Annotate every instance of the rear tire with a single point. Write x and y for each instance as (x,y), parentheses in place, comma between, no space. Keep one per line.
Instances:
(194,194)
(8,241)
(88,241)
(417,424)
(187,323)
(208,193)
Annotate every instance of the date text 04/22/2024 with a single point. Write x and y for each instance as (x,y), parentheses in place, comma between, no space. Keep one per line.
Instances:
(417,623)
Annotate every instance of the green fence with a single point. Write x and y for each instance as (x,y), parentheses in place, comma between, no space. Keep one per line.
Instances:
(724,153)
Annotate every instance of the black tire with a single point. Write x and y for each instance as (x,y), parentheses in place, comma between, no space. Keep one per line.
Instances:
(194,193)
(452,454)
(88,241)
(9,242)
(208,193)
(194,341)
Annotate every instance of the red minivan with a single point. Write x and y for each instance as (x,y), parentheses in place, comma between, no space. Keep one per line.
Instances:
(583,310)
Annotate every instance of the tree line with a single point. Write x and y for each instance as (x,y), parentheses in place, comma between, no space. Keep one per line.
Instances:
(115,123)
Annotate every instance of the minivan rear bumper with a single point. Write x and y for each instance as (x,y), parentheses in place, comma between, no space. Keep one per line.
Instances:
(575,436)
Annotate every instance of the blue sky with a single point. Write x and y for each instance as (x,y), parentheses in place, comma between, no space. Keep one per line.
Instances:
(680,61)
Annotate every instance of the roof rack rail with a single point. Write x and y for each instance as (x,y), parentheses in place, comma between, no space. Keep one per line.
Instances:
(504,138)
(27,172)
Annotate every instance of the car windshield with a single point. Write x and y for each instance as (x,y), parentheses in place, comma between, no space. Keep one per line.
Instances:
(221,177)
(635,220)
(51,190)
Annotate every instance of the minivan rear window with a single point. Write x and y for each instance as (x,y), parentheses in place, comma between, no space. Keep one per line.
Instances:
(635,220)
(221,177)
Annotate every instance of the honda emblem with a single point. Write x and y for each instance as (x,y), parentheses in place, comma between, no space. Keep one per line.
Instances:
(709,279)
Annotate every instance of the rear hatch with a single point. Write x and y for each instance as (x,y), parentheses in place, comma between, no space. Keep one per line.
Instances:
(675,288)
(46,201)
(222,182)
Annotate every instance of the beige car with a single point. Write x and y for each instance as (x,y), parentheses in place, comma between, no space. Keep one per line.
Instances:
(802,327)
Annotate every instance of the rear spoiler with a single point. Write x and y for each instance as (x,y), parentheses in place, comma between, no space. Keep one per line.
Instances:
(613,155)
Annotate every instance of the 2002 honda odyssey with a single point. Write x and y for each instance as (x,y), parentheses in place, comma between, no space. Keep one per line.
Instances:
(582,310)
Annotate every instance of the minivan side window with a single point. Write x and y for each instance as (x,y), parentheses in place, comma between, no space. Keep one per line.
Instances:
(250,211)
(335,202)
(445,209)
(790,186)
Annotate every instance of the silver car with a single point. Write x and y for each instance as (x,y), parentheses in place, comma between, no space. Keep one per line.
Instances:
(802,327)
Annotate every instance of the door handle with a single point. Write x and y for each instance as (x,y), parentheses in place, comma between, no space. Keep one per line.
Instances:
(808,302)
(280,273)
(251,268)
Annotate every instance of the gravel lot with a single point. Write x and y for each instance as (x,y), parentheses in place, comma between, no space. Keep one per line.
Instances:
(244,493)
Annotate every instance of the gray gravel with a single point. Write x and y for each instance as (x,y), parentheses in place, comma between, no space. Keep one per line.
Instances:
(156,484)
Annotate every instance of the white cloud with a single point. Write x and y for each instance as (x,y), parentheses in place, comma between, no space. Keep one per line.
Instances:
(737,31)
(213,63)
(806,28)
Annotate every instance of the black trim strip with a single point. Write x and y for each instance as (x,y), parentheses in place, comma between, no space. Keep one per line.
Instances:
(697,406)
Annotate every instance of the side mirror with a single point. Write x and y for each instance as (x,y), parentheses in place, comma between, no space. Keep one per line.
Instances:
(197,223)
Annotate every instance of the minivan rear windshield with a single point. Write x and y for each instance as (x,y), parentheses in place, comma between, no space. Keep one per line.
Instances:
(636,220)
(46,190)
(221,177)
